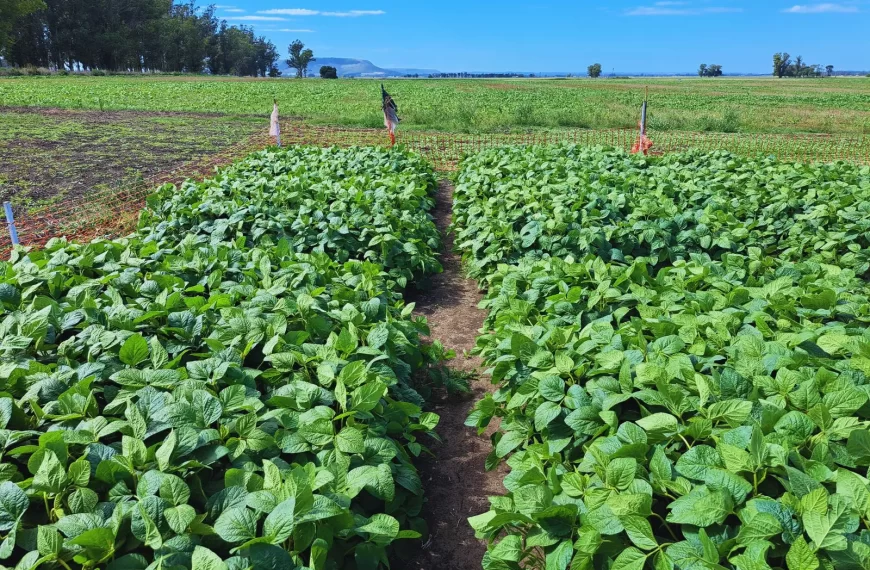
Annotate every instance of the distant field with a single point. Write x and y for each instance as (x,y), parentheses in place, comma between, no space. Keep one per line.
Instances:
(836,105)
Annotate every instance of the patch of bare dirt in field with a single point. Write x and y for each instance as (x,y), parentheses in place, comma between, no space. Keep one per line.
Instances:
(455,481)
(53,154)
(99,117)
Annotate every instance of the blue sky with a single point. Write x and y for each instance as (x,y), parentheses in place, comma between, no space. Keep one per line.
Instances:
(556,35)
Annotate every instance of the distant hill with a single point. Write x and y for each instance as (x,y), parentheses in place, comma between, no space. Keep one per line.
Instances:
(349,67)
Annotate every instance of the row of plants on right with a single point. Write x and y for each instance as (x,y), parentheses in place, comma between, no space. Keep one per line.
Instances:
(683,380)
(557,201)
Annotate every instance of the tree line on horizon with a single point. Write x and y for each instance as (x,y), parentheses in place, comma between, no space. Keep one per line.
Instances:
(783,66)
(712,70)
(130,35)
(179,36)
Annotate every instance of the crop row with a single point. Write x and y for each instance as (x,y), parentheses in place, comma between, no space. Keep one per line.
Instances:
(682,354)
(573,201)
(235,385)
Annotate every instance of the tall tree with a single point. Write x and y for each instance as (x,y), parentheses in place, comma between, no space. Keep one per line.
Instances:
(133,35)
(781,64)
(594,70)
(11,12)
(300,58)
(702,71)
(798,67)
(266,56)
(829,69)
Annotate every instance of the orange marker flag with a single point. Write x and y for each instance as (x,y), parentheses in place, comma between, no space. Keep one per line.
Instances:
(643,143)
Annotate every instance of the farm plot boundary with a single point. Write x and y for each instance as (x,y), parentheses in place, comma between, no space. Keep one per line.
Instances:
(445,150)
(110,213)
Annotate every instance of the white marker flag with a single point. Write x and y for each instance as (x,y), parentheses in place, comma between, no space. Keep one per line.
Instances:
(275,125)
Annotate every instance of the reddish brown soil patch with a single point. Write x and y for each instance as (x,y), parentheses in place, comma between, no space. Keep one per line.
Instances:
(455,481)
(92,116)
(52,154)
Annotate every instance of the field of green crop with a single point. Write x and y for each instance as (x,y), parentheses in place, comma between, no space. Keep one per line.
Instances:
(238,384)
(836,105)
(681,347)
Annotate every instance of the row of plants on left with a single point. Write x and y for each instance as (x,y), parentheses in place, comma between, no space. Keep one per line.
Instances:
(220,390)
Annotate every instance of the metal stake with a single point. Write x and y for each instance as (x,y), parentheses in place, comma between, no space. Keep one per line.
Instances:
(10,221)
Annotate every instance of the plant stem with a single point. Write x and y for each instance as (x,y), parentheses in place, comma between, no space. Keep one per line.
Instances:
(667,526)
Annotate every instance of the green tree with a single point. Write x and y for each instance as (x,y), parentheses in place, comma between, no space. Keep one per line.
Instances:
(781,64)
(594,70)
(702,71)
(11,11)
(131,35)
(829,69)
(714,70)
(328,72)
(266,55)
(300,58)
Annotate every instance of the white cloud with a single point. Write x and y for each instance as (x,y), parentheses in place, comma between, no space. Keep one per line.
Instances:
(307,12)
(669,9)
(826,8)
(294,31)
(290,12)
(257,19)
(233,10)
(354,13)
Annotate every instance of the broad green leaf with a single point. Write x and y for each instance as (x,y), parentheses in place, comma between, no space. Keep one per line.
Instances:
(702,507)
(134,350)
(801,557)
(281,521)
(205,559)
(13,504)
(630,559)
(560,557)
(236,524)
(639,532)
(620,473)
(350,440)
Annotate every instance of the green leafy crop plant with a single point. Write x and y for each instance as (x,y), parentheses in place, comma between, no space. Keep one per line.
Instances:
(571,200)
(209,393)
(671,395)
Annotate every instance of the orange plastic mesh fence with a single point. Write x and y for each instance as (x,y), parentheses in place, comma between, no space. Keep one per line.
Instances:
(109,213)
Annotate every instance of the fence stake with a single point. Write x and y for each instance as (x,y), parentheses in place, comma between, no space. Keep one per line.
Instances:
(13,233)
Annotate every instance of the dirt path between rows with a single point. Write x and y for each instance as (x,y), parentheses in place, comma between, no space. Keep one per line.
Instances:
(456,483)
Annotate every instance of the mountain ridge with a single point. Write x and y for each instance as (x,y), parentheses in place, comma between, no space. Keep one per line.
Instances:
(352,67)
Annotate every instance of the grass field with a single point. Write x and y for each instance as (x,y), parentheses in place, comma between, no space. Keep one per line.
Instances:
(757,105)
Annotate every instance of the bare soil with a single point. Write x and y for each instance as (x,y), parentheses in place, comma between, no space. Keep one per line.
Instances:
(52,154)
(456,483)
